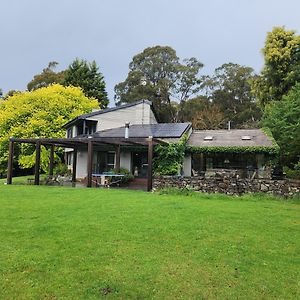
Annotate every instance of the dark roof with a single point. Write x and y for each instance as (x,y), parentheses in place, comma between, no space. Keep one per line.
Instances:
(234,138)
(160,130)
(103,111)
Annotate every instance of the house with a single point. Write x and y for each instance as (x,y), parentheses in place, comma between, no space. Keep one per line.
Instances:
(110,124)
(124,137)
(221,145)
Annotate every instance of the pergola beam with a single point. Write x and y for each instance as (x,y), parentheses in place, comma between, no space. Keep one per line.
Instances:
(10,162)
(118,155)
(74,166)
(90,164)
(150,159)
(89,143)
(37,163)
(51,163)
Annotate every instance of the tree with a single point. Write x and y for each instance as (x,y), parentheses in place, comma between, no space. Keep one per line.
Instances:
(156,74)
(1,93)
(86,75)
(229,89)
(40,113)
(47,77)
(10,93)
(283,119)
(188,109)
(282,66)
(211,117)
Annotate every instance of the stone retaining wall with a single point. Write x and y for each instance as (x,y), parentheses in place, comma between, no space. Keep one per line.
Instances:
(230,186)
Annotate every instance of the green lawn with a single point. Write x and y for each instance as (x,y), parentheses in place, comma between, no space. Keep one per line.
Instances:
(64,243)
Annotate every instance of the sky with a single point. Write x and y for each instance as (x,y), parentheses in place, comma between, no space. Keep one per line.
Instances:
(111,32)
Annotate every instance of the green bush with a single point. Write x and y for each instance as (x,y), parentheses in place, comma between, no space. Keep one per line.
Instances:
(168,159)
(61,169)
(292,173)
(127,175)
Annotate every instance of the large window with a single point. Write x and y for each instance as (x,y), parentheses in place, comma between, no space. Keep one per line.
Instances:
(105,162)
(247,163)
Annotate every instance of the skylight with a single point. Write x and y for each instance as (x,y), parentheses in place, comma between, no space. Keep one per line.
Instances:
(246,138)
(208,138)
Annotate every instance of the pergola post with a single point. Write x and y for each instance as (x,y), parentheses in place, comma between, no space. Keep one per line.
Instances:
(51,164)
(90,164)
(118,152)
(150,159)
(74,166)
(10,162)
(37,163)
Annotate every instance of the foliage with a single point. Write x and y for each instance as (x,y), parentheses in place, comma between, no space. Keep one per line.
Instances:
(86,75)
(274,151)
(188,109)
(10,93)
(127,175)
(40,113)
(210,117)
(168,159)
(229,90)
(47,77)
(157,74)
(66,243)
(61,169)
(283,119)
(282,66)
(292,173)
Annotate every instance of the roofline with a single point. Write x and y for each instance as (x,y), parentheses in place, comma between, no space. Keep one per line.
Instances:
(106,110)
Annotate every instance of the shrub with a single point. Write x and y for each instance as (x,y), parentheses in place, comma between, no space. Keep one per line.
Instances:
(61,169)
(292,173)
(127,175)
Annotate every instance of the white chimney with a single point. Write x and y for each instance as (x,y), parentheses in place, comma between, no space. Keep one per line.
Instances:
(229,123)
(127,130)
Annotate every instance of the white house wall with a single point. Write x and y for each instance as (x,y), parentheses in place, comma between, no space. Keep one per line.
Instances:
(125,160)
(187,165)
(81,170)
(138,114)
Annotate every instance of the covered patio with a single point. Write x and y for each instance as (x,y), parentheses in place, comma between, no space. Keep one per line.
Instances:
(83,142)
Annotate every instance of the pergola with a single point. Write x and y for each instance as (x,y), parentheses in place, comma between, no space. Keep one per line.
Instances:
(79,142)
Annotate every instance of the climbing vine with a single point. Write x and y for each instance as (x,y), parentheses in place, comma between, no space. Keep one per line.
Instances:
(168,158)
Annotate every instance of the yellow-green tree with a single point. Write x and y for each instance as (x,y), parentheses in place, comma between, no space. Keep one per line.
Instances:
(282,66)
(40,113)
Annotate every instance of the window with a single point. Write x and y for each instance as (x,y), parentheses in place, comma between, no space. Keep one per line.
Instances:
(90,129)
(70,133)
(69,158)
(105,162)
(110,160)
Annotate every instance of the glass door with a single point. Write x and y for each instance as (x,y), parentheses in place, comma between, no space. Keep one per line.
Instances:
(140,164)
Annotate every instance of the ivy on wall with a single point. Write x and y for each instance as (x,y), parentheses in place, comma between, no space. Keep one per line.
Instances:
(168,159)
(234,149)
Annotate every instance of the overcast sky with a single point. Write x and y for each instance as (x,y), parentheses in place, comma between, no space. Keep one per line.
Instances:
(111,32)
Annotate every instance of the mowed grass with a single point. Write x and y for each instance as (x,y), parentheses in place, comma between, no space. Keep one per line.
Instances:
(66,243)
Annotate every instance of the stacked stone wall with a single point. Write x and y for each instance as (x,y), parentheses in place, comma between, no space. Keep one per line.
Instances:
(229,185)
